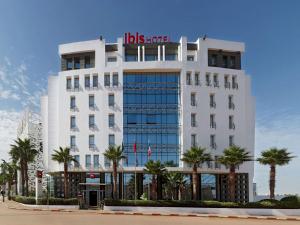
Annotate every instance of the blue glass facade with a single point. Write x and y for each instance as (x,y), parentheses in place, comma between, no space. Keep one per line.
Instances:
(151,116)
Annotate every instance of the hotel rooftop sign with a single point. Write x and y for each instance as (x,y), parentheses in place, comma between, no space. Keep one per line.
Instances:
(142,39)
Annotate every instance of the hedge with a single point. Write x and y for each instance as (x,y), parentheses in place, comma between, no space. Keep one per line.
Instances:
(43,201)
(273,204)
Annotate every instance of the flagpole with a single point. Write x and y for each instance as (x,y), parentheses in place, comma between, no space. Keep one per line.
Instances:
(135,177)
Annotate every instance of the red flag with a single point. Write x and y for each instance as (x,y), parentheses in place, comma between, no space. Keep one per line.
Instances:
(134,147)
(149,151)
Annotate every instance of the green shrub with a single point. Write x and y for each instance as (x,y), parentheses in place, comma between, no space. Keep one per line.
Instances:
(25,200)
(291,198)
(43,201)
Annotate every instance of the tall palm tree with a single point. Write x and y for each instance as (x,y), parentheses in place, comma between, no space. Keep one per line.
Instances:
(114,154)
(63,156)
(175,181)
(156,169)
(8,173)
(23,152)
(196,156)
(233,157)
(274,157)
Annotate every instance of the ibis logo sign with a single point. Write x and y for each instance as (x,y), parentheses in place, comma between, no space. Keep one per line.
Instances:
(142,39)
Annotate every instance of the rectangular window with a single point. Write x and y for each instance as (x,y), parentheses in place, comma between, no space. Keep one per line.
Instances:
(87,81)
(91,121)
(73,122)
(87,62)
(96,161)
(231,123)
(77,161)
(72,102)
(115,79)
(193,120)
(207,79)
(95,80)
(193,140)
(151,119)
(72,142)
(193,99)
(213,144)
(212,121)
(230,102)
(69,83)
(214,60)
(226,82)
(76,82)
(234,82)
(232,62)
(131,118)
(197,80)
(69,64)
(106,80)
(87,161)
(190,58)
(111,120)
(111,100)
(231,140)
(216,80)
(91,141)
(212,102)
(225,61)
(111,59)
(188,78)
(76,63)
(111,139)
(91,101)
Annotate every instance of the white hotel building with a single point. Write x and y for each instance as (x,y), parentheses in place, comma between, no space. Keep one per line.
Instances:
(166,95)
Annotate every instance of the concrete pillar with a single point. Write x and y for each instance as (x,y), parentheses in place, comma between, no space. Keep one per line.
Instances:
(139,53)
(143,50)
(158,53)
(164,53)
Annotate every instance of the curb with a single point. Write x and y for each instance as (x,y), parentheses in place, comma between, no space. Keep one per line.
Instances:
(164,214)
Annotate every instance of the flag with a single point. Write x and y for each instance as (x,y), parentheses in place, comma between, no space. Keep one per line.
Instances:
(134,147)
(149,151)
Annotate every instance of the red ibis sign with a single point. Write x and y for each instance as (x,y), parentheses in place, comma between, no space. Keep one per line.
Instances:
(142,39)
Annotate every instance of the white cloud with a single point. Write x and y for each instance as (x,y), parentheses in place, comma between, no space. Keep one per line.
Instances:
(282,133)
(8,131)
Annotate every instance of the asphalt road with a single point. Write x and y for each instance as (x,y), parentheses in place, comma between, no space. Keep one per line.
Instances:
(21,217)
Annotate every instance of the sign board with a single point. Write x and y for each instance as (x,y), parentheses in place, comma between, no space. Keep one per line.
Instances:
(142,39)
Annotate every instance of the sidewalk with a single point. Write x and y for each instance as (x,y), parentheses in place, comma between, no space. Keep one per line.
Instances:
(18,206)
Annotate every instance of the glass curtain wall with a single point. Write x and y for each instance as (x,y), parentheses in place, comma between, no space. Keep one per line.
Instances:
(151,117)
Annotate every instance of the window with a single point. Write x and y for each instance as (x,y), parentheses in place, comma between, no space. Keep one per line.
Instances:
(231,123)
(87,62)
(69,83)
(213,144)
(95,80)
(77,161)
(230,102)
(212,101)
(72,142)
(91,121)
(76,63)
(197,81)
(131,118)
(151,119)
(69,64)
(91,101)
(96,161)
(72,102)
(225,61)
(213,60)
(73,122)
(190,58)
(87,161)
(226,81)
(188,78)
(193,120)
(91,141)
(115,79)
(87,81)
(76,82)
(232,62)
(207,79)
(212,121)
(193,140)
(234,82)
(111,139)
(193,99)
(112,59)
(111,120)
(231,140)
(106,80)
(111,100)
(216,80)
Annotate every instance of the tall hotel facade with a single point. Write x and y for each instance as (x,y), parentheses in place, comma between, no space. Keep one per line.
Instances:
(152,92)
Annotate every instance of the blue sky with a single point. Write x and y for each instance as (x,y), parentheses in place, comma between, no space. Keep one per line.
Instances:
(31,30)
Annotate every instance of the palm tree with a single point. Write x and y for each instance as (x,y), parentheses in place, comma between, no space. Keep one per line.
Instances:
(233,157)
(196,156)
(156,169)
(63,156)
(8,173)
(23,152)
(181,182)
(175,181)
(274,157)
(114,154)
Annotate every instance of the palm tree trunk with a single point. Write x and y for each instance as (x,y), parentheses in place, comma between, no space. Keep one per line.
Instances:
(179,193)
(153,188)
(272,181)
(26,179)
(22,178)
(231,183)
(195,183)
(66,180)
(16,182)
(115,179)
(9,190)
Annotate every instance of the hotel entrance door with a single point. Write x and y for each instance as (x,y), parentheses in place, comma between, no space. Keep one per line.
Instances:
(93,196)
